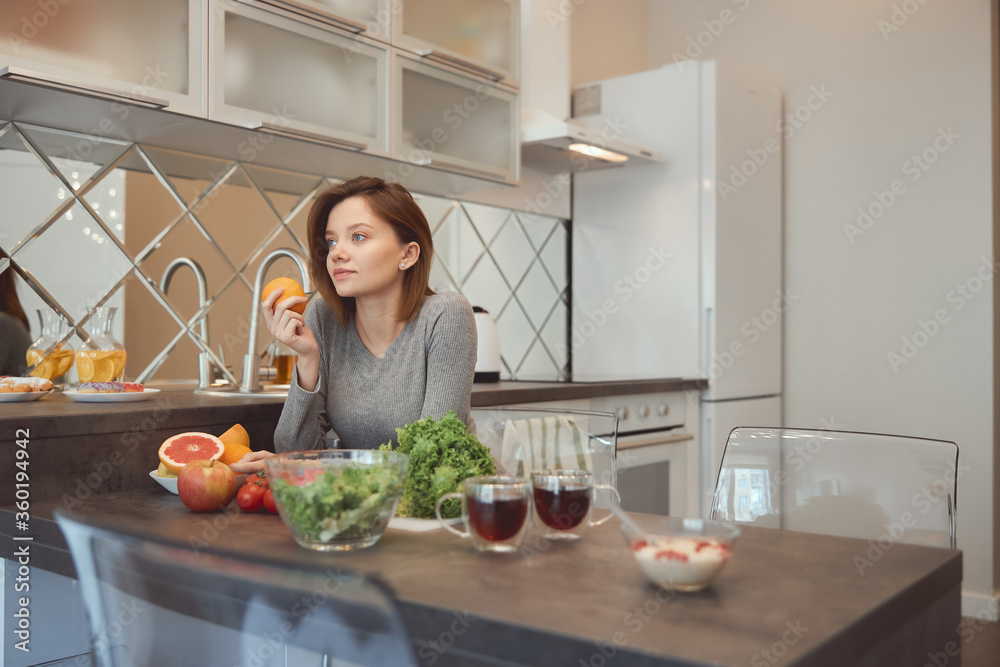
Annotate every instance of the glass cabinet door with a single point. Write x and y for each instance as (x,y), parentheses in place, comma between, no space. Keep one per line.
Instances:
(478,35)
(453,122)
(149,52)
(367,17)
(296,78)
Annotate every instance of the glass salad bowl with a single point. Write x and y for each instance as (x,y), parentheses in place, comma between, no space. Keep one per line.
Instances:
(337,500)
(679,554)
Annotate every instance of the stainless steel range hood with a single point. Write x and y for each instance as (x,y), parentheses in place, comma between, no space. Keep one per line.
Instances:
(551,140)
(571,146)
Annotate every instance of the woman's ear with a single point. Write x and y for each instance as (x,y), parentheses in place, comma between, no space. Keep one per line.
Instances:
(411,254)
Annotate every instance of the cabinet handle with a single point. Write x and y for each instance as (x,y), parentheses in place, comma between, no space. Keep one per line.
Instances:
(311,137)
(318,14)
(471,68)
(458,169)
(58,83)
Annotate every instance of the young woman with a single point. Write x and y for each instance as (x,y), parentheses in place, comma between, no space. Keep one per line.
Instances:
(381,349)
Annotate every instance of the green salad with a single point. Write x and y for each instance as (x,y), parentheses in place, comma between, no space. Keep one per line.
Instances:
(344,504)
(442,455)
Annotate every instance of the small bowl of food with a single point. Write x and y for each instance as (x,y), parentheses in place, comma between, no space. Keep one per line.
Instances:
(336,500)
(679,554)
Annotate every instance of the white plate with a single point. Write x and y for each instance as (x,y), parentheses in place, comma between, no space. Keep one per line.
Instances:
(22,396)
(119,397)
(170,483)
(414,525)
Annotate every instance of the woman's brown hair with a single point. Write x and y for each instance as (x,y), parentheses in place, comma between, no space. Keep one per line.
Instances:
(9,303)
(392,203)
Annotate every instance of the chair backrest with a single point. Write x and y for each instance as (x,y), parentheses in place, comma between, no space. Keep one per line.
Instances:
(864,485)
(527,439)
(156,603)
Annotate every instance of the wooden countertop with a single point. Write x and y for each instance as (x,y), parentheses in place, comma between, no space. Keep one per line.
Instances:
(560,603)
(56,415)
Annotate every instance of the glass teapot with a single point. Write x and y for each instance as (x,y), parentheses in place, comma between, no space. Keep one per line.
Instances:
(54,365)
(101,358)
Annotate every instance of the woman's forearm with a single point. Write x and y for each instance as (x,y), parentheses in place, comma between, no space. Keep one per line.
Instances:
(308,371)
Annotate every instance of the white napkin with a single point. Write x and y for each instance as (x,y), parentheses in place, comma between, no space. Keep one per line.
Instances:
(544,442)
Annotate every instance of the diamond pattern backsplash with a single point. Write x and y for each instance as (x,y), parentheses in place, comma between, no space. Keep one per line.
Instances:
(90,221)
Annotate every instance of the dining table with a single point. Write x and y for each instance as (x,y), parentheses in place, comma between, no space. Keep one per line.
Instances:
(784,597)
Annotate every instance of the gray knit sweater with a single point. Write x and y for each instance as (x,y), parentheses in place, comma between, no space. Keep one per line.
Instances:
(427,371)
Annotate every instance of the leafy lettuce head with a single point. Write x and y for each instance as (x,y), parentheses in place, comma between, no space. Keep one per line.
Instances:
(443,454)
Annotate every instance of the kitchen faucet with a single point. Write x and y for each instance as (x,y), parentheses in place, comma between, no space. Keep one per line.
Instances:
(204,365)
(251,380)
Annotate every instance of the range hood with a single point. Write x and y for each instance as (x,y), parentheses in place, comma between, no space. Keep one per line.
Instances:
(551,139)
(569,145)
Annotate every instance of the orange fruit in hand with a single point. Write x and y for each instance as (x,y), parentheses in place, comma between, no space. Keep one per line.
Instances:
(237,442)
(291,288)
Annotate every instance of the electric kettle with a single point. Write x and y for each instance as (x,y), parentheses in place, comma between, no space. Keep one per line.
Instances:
(488,348)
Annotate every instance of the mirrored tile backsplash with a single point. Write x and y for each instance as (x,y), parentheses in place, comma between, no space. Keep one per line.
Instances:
(89,221)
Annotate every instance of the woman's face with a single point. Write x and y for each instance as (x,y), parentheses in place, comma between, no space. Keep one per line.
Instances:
(363,251)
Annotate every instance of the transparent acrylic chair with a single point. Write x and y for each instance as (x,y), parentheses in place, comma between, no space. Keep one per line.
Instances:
(862,485)
(526,439)
(155,603)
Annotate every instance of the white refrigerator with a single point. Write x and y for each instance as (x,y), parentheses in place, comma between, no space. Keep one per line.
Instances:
(677,267)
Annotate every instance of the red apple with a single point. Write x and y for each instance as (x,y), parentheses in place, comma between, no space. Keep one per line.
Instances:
(206,486)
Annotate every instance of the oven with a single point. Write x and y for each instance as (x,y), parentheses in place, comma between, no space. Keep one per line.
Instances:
(657,459)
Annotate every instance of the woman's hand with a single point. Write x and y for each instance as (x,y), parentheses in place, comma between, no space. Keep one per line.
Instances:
(287,326)
(250,463)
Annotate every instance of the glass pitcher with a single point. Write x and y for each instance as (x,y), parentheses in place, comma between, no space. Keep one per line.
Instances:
(56,364)
(101,358)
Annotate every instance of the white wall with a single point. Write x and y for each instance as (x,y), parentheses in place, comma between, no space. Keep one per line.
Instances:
(889,95)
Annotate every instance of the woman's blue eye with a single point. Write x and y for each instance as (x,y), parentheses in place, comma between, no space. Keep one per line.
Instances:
(358,236)
(331,242)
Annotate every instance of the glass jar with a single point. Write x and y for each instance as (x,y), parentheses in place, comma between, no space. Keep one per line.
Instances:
(101,358)
(54,365)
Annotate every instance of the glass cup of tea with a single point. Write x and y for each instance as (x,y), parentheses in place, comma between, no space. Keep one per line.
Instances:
(564,501)
(494,510)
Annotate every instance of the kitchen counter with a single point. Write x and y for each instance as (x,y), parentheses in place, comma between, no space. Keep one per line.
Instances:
(785,598)
(93,448)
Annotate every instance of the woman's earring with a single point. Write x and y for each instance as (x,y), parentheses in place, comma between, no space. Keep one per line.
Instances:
(402,265)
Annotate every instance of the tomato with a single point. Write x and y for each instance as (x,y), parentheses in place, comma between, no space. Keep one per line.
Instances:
(258,479)
(269,502)
(307,477)
(250,497)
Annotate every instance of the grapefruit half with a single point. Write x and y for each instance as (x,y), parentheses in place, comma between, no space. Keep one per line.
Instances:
(179,450)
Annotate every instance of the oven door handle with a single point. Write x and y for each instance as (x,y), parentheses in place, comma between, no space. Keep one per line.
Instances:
(628,442)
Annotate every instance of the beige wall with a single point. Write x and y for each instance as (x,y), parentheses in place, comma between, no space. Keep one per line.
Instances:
(609,38)
(891,94)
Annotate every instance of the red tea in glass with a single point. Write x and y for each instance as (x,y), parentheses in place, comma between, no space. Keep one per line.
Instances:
(495,510)
(563,500)
(563,508)
(498,520)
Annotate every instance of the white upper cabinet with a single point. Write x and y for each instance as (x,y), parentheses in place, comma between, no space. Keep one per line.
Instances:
(296,77)
(480,36)
(454,122)
(150,53)
(367,17)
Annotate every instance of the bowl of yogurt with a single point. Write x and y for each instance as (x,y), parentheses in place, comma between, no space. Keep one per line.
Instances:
(680,554)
